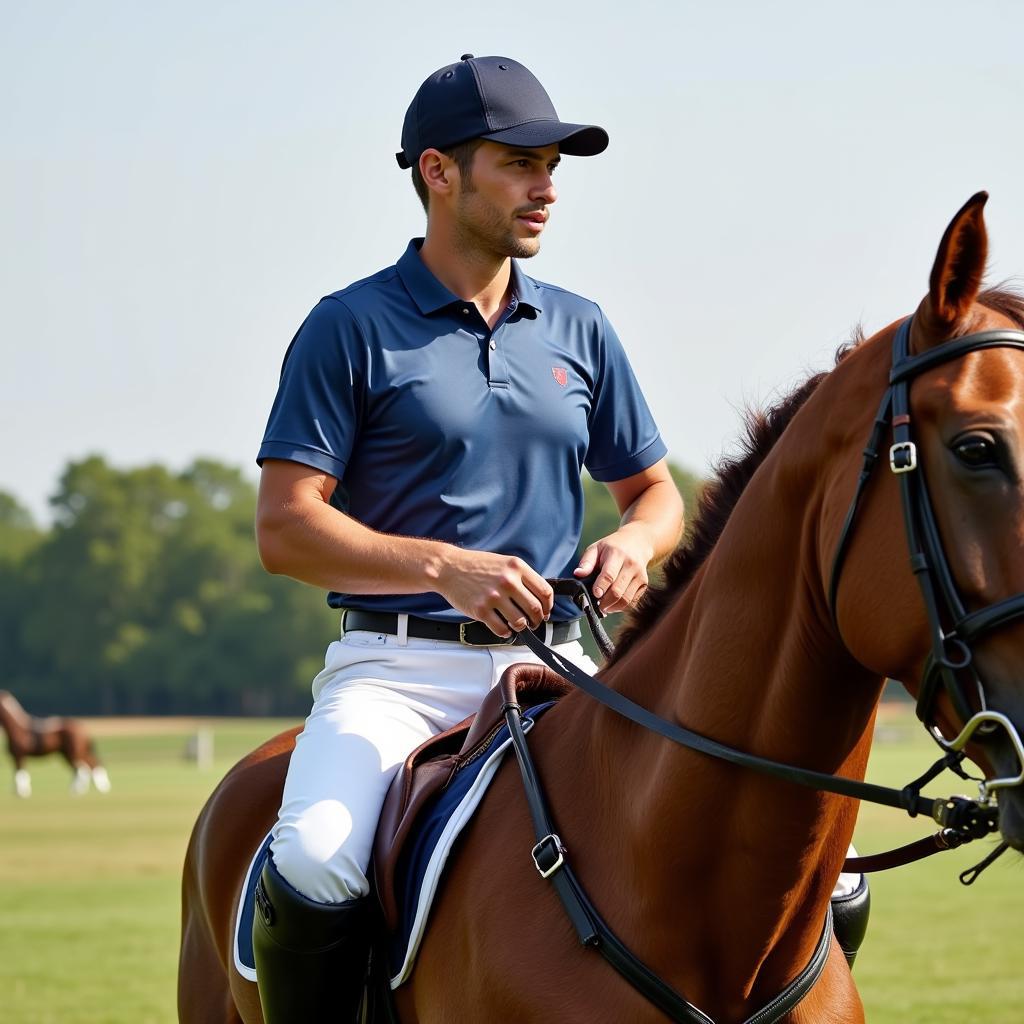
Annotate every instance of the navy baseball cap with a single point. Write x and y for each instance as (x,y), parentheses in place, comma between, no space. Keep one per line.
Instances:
(491,98)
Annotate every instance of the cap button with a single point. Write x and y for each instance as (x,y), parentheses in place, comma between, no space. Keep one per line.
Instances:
(466,56)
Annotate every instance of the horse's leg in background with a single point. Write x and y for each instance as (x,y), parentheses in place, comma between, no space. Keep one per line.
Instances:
(80,780)
(91,762)
(100,778)
(80,753)
(22,781)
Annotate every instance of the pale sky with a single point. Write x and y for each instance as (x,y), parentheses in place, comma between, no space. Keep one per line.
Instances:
(181,182)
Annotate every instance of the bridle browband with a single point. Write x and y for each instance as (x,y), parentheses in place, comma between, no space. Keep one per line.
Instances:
(953,630)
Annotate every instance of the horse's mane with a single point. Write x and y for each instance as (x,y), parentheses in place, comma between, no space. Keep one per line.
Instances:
(732,473)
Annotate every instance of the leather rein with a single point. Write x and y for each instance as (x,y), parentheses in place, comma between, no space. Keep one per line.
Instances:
(953,631)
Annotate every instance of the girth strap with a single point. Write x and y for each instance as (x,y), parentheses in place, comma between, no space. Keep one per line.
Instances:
(550,859)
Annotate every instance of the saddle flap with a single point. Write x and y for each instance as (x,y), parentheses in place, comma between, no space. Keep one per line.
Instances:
(425,772)
(430,767)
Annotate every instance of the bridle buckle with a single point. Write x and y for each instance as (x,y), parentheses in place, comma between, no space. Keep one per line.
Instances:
(548,855)
(903,457)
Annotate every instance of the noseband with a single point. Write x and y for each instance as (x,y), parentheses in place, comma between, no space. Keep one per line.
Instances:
(954,630)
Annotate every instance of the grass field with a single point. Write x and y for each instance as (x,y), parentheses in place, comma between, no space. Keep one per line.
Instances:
(89,890)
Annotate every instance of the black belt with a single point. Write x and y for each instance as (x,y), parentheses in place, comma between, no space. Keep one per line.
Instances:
(473,634)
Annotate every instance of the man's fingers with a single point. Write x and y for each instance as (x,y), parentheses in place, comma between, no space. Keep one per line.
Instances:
(526,611)
(630,596)
(587,562)
(496,624)
(608,574)
(540,598)
(503,592)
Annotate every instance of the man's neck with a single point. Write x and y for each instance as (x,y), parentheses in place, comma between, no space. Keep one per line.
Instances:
(477,277)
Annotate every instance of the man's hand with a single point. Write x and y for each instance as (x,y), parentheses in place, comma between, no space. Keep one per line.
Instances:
(622,558)
(497,590)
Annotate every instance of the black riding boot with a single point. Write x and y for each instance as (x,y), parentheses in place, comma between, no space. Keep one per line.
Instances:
(310,957)
(850,918)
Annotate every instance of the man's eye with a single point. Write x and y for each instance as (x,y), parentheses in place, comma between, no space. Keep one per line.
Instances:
(976,452)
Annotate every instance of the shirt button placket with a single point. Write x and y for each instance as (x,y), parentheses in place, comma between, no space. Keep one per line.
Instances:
(497,371)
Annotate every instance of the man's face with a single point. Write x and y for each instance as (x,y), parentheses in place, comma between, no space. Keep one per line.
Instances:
(502,206)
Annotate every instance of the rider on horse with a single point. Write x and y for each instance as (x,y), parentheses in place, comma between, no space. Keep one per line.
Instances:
(422,463)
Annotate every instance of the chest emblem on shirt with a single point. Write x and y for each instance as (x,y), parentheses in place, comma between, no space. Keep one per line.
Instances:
(561,375)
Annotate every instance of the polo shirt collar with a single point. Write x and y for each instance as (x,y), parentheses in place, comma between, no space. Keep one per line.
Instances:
(427,292)
(430,295)
(524,289)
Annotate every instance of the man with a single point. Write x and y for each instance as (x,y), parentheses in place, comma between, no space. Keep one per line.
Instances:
(422,463)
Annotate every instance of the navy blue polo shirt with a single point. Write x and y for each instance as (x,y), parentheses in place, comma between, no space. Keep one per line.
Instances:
(436,426)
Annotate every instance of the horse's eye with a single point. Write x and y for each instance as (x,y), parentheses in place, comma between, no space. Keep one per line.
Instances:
(976,452)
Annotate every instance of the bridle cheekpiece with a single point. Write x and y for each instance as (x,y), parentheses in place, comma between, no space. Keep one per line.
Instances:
(953,630)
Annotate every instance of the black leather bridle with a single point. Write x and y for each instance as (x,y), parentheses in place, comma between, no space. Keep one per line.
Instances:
(953,630)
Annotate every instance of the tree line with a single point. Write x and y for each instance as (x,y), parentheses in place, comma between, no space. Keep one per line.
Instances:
(146,596)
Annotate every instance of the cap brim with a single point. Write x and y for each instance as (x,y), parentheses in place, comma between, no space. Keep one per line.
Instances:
(572,139)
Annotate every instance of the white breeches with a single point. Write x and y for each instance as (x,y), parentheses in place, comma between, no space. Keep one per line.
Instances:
(376,700)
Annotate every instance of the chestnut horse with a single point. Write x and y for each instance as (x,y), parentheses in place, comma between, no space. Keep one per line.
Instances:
(717,877)
(34,737)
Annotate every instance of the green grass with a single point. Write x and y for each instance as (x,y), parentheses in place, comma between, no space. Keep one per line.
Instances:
(936,951)
(89,886)
(89,893)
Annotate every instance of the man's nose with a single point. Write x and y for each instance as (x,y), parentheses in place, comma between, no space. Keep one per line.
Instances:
(544,191)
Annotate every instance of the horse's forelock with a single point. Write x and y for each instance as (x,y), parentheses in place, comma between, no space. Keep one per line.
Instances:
(1006,300)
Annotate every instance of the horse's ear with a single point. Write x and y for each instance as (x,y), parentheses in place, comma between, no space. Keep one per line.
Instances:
(957,273)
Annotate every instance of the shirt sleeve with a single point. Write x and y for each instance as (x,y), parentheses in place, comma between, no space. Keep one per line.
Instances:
(624,438)
(316,413)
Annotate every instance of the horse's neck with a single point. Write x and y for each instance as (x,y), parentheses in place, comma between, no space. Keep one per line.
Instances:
(13,716)
(745,656)
(757,673)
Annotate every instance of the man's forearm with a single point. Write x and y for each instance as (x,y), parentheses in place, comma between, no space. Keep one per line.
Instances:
(319,545)
(307,539)
(658,513)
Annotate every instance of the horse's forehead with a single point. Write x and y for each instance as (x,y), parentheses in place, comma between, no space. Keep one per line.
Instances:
(988,380)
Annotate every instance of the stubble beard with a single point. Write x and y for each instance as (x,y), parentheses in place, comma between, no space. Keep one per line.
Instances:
(483,227)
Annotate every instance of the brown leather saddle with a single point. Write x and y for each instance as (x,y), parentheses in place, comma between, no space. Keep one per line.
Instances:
(433,764)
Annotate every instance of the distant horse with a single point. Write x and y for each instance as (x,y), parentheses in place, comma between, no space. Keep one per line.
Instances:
(34,737)
(772,633)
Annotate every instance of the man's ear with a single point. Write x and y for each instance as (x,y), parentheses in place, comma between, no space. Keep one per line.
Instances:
(434,166)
